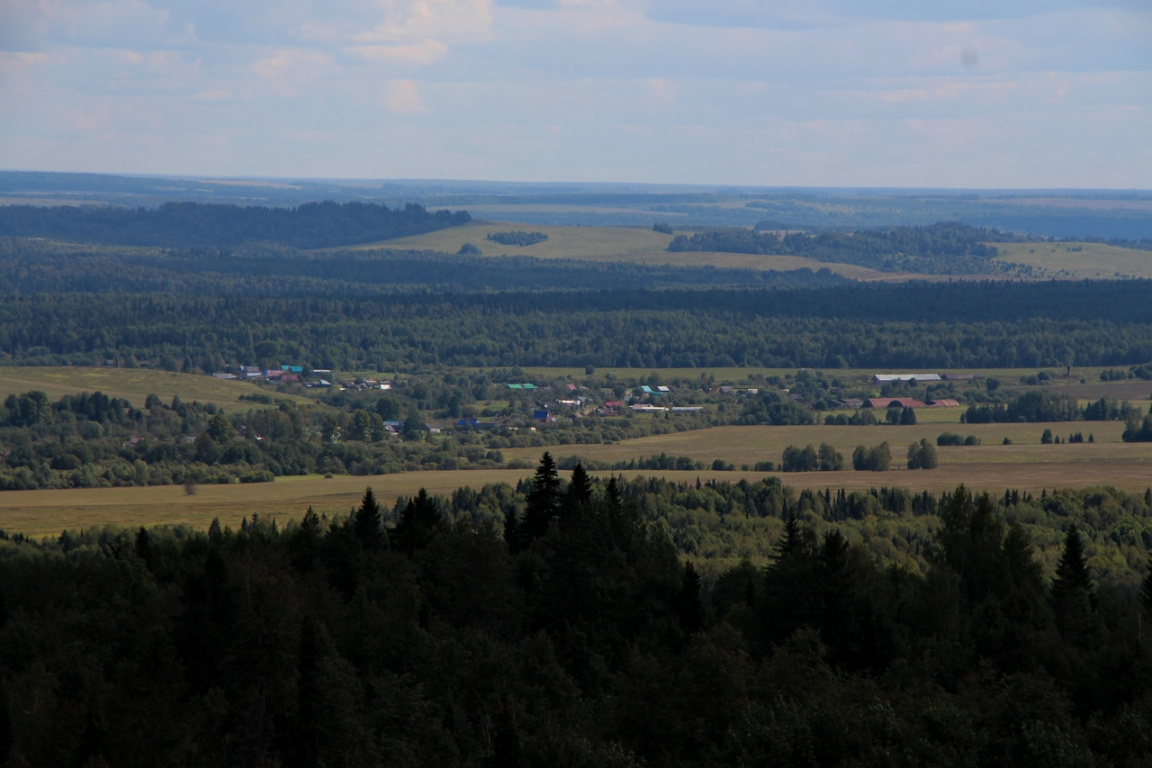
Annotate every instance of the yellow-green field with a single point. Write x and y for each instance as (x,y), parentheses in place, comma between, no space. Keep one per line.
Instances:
(749,445)
(635,246)
(1024,465)
(562,242)
(42,513)
(1078,261)
(132,384)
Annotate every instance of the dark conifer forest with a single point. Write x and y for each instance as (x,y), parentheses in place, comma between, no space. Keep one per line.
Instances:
(572,633)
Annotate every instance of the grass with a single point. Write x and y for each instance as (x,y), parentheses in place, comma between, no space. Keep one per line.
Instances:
(601,243)
(1024,465)
(1078,261)
(134,385)
(611,244)
(45,513)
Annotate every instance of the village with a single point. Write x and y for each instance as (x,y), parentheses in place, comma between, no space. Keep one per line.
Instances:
(515,405)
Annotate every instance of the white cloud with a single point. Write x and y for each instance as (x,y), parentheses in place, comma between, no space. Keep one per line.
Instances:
(416,54)
(403,97)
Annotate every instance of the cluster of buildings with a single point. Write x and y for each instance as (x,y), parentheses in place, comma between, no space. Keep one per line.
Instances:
(287,374)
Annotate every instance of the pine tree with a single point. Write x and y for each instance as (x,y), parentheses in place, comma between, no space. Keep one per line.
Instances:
(691,610)
(1073,595)
(368,523)
(1072,572)
(577,499)
(544,500)
(420,521)
(789,542)
(580,488)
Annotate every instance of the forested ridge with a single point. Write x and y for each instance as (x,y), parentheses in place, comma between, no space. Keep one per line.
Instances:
(310,225)
(557,624)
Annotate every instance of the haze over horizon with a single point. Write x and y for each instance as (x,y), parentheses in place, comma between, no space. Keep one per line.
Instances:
(1013,95)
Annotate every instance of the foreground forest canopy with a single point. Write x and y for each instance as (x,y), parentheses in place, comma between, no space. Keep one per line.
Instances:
(557,624)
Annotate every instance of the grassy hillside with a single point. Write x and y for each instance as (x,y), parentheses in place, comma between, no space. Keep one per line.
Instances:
(1078,261)
(614,244)
(562,242)
(132,384)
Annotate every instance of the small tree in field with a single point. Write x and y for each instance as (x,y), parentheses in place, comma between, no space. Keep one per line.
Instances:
(922,455)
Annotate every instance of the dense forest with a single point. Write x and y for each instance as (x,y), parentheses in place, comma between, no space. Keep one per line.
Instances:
(191,225)
(918,326)
(31,266)
(943,248)
(558,624)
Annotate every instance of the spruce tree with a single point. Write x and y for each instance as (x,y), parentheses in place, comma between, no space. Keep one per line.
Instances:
(1073,595)
(544,499)
(420,521)
(368,523)
(690,608)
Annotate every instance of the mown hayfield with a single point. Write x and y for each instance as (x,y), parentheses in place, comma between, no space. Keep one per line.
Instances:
(1078,261)
(615,244)
(133,385)
(1025,467)
(1106,461)
(611,243)
(40,513)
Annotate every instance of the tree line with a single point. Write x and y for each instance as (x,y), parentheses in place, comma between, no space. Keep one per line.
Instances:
(947,248)
(310,225)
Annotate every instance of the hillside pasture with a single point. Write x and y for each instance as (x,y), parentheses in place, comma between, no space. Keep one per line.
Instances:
(596,243)
(1078,261)
(612,244)
(134,385)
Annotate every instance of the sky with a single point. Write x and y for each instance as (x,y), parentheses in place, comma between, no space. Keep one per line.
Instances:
(874,93)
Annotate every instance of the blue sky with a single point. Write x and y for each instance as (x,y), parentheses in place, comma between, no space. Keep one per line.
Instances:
(1018,93)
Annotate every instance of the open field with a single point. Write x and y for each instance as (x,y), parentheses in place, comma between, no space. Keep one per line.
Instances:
(615,244)
(133,385)
(1137,390)
(1078,261)
(1108,461)
(1030,466)
(44,513)
(598,243)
